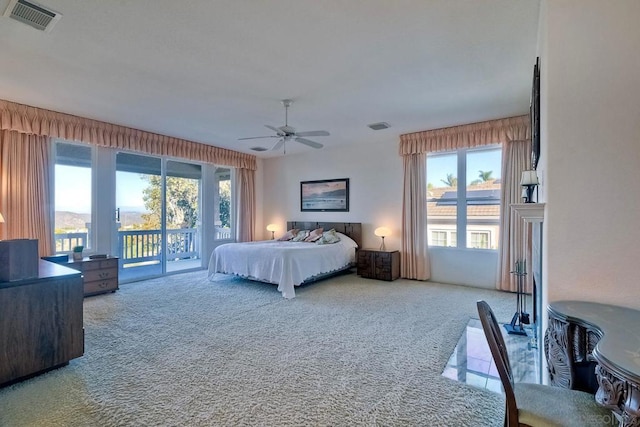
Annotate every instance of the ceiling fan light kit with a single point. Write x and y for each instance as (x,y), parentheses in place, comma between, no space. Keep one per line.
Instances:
(287,133)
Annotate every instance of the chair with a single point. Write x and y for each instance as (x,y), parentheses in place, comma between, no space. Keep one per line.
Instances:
(534,404)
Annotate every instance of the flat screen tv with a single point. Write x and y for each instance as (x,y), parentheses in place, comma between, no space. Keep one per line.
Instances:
(535,116)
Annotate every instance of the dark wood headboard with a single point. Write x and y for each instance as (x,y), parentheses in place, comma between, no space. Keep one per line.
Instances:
(351,229)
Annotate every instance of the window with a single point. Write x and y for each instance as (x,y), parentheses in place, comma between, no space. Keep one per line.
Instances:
(73,177)
(463,198)
(223,204)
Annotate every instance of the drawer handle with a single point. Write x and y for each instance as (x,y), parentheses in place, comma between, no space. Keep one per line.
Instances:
(104,274)
(103,284)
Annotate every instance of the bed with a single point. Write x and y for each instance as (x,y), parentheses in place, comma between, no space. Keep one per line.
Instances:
(289,264)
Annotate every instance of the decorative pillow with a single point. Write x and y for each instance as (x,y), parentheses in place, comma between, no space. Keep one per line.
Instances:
(314,235)
(346,240)
(300,236)
(289,235)
(328,237)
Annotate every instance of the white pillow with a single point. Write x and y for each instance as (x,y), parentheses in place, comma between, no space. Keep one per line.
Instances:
(302,234)
(346,240)
(328,238)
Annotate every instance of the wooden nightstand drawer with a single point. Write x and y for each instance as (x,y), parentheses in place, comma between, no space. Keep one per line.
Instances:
(100,286)
(103,274)
(376,264)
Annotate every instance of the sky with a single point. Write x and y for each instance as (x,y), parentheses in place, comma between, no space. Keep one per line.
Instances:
(73,189)
(438,166)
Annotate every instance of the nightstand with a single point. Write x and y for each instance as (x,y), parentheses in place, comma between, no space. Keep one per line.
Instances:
(377,264)
(100,275)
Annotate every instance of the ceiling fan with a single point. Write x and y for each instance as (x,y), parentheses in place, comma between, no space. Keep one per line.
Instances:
(287,133)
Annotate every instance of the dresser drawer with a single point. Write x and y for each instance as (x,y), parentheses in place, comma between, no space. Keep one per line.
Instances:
(100,286)
(91,275)
(97,264)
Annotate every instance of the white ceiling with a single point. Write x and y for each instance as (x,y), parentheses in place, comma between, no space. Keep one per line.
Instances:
(215,71)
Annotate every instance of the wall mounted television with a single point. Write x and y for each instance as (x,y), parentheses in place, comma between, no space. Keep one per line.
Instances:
(534,113)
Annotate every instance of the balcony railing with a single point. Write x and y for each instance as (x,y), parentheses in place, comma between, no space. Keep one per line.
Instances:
(146,245)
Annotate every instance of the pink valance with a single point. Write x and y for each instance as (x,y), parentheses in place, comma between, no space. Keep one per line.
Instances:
(466,136)
(37,121)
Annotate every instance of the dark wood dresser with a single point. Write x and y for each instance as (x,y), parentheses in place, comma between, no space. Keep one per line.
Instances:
(377,264)
(40,323)
(100,274)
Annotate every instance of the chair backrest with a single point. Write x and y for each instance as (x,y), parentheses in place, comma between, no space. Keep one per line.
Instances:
(501,358)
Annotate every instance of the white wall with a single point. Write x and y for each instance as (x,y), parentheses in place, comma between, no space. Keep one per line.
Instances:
(591,135)
(376,185)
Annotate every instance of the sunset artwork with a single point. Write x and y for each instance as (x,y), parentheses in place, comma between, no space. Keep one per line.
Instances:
(326,195)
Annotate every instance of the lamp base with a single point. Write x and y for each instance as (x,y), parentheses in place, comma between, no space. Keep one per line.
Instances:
(382,247)
(527,193)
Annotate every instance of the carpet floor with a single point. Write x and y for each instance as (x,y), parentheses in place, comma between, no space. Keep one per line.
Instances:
(186,351)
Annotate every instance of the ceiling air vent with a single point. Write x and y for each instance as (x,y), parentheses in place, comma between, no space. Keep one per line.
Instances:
(258,149)
(379,126)
(32,14)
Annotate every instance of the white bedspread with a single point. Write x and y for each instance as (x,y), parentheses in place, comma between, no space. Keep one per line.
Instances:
(286,264)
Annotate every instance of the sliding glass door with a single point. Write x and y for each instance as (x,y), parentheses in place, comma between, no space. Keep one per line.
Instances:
(157,215)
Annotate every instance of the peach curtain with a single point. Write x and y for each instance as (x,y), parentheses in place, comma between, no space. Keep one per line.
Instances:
(246,197)
(37,121)
(414,147)
(466,136)
(29,120)
(516,157)
(24,188)
(414,259)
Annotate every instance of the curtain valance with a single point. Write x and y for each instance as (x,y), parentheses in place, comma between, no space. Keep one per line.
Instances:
(466,136)
(37,121)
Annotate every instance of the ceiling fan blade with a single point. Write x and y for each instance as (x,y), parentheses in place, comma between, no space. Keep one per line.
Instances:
(276,130)
(278,144)
(309,143)
(258,137)
(313,133)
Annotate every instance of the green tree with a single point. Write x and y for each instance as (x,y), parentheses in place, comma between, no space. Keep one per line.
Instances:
(484,177)
(225,202)
(451,180)
(182,202)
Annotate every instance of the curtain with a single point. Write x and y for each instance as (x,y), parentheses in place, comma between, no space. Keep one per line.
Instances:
(24,188)
(466,136)
(414,259)
(246,204)
(514,244)
(37,121)
(414,147)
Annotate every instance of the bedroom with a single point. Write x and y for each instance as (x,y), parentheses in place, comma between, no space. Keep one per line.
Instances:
(587,251)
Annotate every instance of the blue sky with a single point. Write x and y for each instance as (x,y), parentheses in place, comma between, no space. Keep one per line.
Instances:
(73,189)
(439,166)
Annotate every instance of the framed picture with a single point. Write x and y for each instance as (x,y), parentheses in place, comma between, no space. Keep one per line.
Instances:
(329,195)
(535,116)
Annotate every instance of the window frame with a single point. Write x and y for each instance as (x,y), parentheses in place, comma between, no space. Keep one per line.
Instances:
(463,233)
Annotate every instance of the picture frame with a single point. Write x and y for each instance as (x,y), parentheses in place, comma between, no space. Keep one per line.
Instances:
(328,195)
(535,116)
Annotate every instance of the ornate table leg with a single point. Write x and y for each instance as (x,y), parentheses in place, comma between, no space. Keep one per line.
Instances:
(631,411)
(556,349)
(619,396)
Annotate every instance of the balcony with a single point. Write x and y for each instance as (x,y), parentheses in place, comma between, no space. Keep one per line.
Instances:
(142,249)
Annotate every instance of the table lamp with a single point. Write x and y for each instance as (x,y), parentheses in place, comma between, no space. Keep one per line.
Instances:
(272,228)
(529,180)
(382,232)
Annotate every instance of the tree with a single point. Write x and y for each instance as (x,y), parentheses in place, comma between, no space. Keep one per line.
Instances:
(451,180)
(225,202)
(181,202)
(484,177)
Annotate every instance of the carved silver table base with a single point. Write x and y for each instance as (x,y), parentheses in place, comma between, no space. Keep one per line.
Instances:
(582,335)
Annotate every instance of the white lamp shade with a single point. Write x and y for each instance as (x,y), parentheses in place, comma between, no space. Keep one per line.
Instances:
(382,232)
(529,178)
(272,227)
